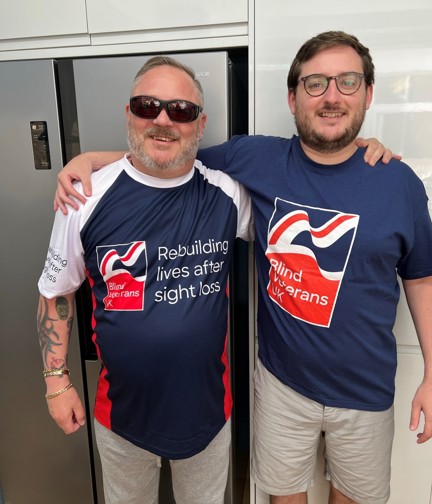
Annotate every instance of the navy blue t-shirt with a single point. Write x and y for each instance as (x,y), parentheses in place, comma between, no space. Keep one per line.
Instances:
(157,254)
(330,243)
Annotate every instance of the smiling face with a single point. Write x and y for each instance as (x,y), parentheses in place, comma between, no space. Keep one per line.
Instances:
(329,124)
(161,147)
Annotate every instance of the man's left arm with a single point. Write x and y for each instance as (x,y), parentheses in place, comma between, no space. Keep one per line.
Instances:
(419,297)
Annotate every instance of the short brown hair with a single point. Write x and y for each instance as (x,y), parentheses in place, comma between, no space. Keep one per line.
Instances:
(157,61)
(328,40)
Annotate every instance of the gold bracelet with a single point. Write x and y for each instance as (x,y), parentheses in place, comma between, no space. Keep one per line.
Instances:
(55,372)
(55,394)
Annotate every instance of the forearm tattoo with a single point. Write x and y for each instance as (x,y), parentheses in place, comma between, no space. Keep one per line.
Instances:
(49,339)
(62,308)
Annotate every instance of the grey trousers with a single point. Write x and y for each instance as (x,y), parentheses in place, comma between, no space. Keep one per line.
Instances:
(131,474)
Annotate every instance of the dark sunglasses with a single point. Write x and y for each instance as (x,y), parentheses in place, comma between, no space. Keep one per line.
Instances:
(147,107)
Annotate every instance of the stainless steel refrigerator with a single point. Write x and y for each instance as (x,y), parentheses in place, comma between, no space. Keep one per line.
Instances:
(50,111)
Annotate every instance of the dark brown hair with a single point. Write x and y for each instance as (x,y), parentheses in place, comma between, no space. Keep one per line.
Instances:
(328,40)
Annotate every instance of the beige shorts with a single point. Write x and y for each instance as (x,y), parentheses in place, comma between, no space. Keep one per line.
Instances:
(287,431)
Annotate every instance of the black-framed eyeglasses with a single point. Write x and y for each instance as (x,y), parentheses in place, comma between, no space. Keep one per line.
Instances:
(347,83)
(148,107)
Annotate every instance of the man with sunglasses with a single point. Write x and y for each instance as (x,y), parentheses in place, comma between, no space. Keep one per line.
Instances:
(155,242)
(331,237)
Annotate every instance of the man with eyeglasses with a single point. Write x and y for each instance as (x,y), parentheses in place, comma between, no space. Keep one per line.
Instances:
(331,236)
(155,242)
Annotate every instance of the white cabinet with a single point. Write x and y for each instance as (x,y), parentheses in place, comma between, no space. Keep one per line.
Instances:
(54,28)
(44,18)
(261,497)
(130,15)
(21,19)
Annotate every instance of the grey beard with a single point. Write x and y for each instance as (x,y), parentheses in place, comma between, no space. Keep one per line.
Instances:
(136,147)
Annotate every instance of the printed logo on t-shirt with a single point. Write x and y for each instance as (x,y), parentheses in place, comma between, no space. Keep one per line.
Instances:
(308,250)
(124,270)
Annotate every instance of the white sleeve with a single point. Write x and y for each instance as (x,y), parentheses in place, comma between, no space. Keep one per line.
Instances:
(245,228)
(64,269)
(239,196)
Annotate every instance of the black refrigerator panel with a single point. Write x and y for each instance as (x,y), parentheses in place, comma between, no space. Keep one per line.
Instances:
(38,462)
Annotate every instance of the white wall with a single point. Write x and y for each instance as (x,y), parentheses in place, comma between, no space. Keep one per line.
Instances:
(399,35)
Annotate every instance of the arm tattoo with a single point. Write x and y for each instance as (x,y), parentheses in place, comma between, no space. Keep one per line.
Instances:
(48,336)
(62,308)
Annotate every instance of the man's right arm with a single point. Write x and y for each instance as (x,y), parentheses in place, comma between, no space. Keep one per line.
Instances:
(80,168)
(54,324)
